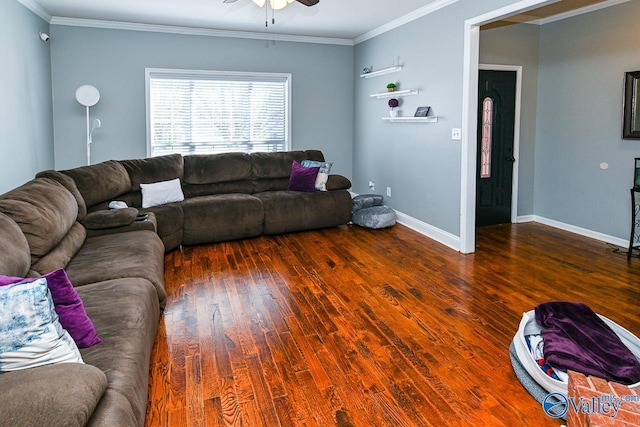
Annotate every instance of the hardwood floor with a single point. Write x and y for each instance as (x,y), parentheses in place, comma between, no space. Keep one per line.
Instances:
(353,327)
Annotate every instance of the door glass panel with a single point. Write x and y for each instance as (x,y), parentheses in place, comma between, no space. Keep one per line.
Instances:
(487,132)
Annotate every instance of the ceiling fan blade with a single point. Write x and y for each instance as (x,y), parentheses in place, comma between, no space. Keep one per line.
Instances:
(309,2)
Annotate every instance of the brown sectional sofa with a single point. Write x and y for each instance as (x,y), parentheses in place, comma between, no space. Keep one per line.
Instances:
(61,219)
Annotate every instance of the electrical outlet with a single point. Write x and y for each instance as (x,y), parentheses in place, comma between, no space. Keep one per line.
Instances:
(372,185)
(388,191)
(456,134)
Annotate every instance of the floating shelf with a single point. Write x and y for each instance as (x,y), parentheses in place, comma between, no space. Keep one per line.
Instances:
(428,119)
(381,72)
(395,93)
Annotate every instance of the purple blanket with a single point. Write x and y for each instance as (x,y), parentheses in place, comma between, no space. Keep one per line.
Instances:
(576,338)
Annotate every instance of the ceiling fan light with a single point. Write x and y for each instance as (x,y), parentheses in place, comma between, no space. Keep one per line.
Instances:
(278,4)
(260,3)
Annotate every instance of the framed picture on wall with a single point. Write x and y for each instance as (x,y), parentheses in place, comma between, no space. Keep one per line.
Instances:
(631,116)
(422,112)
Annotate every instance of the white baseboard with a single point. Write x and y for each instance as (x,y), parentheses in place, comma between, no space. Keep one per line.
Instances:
(525,218)
(430,231)
(579,230)
(453,241)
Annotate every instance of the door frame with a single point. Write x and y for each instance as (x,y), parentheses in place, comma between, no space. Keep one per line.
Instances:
(516,131)
(471,60)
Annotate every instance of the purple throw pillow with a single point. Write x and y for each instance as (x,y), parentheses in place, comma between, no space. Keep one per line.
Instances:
(68,306)
(302,179)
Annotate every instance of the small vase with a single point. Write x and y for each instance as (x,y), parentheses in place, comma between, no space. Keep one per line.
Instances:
(393,113)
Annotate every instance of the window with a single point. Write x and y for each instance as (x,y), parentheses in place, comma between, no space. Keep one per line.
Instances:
(205,112)
(487,134)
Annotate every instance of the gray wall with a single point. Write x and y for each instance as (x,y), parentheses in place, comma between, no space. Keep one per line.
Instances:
(419,162)
(519,45)
(581,71)
(114,61)
(26,134)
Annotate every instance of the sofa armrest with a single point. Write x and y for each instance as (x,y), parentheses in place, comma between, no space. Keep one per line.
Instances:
(110,218)
(338,182)
(148,223)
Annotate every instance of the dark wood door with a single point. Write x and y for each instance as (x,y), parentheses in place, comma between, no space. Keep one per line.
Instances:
(496,118)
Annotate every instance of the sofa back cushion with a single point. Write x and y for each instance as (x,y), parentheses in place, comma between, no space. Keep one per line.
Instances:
(44,210)
(217,174)
(61,255)
(70,185)
(271,171)
(153,169)
(15,257)
(100,183)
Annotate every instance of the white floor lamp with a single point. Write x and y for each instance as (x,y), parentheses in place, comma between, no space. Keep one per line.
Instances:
(89,96)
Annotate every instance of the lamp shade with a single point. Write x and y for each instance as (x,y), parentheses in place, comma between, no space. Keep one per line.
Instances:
(87,95)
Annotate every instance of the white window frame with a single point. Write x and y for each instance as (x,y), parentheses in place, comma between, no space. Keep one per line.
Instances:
(216,75)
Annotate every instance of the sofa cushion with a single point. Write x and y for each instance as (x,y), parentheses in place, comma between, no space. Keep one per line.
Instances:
(126,314)
(224,173)
(221,217)
(99,220)
(217,168)
(287,211)
(169,220)
(60,256)
(44,210)
(278,165)
(30,333)
(153,169)
(195,190)
(101,182)
(70,185)
(338,182)
(15,257)
(271,171)
(115,256)
(53,395)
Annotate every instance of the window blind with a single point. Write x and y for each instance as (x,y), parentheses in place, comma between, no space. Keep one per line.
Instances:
(206,112)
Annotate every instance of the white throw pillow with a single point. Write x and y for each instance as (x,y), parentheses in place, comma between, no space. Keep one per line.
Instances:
(323,173)
(160,193)
(30,333)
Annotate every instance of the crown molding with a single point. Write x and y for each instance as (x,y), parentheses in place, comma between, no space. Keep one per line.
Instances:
(36,8)
(132,26)
(419,13)
(581,11)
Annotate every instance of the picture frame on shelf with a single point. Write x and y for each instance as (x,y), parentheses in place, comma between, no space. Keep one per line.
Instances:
(422,112)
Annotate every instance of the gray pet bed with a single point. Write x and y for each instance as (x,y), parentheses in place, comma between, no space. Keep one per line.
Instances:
(370,212)
(529,383)
(375,217)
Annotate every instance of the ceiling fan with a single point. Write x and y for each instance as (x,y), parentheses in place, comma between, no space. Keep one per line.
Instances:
(279,4)
(276,5)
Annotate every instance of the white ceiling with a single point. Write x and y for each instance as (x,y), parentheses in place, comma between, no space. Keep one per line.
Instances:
(342,19)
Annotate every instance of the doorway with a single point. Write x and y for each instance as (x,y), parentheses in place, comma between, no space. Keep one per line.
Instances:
(497,91)
(471,65)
